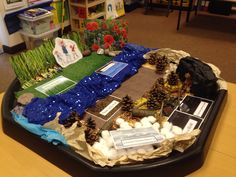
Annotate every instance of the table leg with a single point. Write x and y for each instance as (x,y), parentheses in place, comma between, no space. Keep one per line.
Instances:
(189,10)
(180,13)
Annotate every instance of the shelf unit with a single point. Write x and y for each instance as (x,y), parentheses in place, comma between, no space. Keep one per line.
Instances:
(85,9)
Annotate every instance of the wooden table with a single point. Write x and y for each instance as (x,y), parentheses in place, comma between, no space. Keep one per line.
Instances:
(17,160)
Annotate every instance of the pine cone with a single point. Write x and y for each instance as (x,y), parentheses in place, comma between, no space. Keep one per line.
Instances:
(152,103)
(161,64)
(160,81)
(172,78)
(152,59)
(73,117)
(127,104)
(91,123)
(91,136)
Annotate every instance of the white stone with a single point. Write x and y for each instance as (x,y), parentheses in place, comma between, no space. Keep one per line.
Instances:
(100,51)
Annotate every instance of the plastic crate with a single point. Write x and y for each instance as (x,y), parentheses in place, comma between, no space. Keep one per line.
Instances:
(36,25)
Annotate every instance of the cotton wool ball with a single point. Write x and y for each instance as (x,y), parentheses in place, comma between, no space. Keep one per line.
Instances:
(144,120)
(112,154)
(109,142)
(141,151)
(124,124)
(147,124)
(119,121)
(156,126)
(151,119)
(137,125)
(169,135)
(105,134)
(102,141)
(97,146)
(177,130)
(167,125)
(164,131)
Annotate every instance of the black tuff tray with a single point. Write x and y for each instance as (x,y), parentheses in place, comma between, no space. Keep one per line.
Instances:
(176,164)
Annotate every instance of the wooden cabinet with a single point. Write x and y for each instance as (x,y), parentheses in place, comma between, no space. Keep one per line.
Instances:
(85,9)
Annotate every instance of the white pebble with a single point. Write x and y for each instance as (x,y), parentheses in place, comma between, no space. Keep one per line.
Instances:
(167,125)
(100,51)
(169,135)
(105,134)
(177,130)
(119,121)
(151,119)
(137,125)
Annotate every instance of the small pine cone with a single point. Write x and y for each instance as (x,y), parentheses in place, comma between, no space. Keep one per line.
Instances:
(160,96)
(172,78)
(160,81)
(161,64)
(127,103)
(152,103)
(91,136)
(91,123)
(73,117)
(152,59)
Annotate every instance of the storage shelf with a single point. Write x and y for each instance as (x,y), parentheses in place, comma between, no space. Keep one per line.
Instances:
(97,15)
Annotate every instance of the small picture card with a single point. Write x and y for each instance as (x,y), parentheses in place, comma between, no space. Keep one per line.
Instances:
(195,106)
(135,137)
(112,68)
(55,86)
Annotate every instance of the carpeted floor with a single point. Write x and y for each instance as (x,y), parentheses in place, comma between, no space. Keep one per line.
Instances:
(211,38)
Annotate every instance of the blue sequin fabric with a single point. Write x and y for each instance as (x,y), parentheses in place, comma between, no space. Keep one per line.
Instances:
(87,91)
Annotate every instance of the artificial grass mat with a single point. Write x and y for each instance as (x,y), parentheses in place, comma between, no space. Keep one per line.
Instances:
(77,71)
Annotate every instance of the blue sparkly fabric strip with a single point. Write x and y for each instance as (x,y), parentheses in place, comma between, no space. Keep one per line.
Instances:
(87,91)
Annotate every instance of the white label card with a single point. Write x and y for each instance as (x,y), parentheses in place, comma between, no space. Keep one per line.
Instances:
(109,107)
(135,137)
(191,124)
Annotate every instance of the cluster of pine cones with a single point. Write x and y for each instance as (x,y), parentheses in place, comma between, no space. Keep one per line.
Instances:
(155,97)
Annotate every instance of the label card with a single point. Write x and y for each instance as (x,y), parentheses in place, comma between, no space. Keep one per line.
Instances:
(55,86)
(135,137)
(112,68)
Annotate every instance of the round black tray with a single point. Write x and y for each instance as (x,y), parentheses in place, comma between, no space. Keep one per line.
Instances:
(176,164)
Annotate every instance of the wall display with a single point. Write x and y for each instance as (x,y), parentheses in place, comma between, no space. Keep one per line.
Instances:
(114,9)
(13,4)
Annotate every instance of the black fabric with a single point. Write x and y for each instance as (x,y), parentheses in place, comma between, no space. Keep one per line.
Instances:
(202,77)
